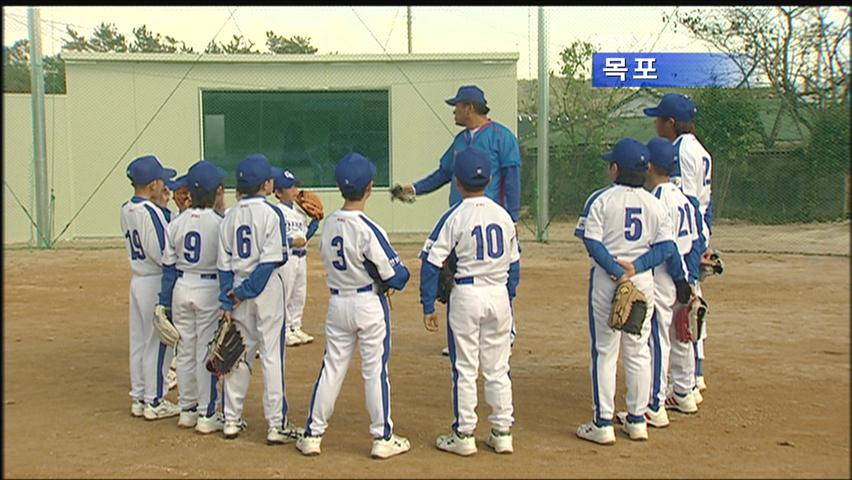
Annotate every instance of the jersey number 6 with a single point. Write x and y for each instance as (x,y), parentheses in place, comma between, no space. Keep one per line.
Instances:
(244,241)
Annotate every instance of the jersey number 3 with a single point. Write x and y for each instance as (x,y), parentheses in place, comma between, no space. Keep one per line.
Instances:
(632,224)
(494,239)
(338,242)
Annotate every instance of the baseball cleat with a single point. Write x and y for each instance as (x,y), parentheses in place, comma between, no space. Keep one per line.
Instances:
(137,408)
(453,442)
(500,442)
(164,409)
(292,339)
(188,418)
(446,351)
(304,337)
(696,394)
(210,424)
(233,428)
(288,433)
(394,445)
(636,431)
(308,445)
(699,383)
(658,419)
(682,403)
(604,435)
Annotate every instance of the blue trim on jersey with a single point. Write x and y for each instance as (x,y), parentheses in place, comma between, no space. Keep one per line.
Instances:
(514,278)
(136,199)
(312,229)
(708,217)
(314,395)
(166,213)
(384,378)
(401,274)
(249,197)
(601,255)
(451,345)
(167,285)
(676,171)
(161,357)
(693,262)
(512,333)
(429,275)
(657,362)
(580,233)
(282,342)
(256,282)
(158,227)
(698,359)
(226,283)
(595,398)
(211,406)
(219,214)
(282,223)
(438,226)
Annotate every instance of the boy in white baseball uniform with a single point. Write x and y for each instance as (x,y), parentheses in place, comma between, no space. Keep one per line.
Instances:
(358,258)
(626,232)
(674,120)
(294,273)
(251,248)
(143,225)
(481,235)
(670,283)
(190,290)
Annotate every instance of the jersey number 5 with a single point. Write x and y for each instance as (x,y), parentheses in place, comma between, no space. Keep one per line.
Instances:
(632,224)
(136,251)
(494,239)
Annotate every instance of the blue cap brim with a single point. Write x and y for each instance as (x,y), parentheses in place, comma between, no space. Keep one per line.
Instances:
(168,173)
(652,112)
(452,101)
(608,156)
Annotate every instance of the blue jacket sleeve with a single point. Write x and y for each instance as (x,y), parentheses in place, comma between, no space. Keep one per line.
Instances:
(433,181)
(512,190)
(256,282)
(598,251)
(708,217)
(514,279)
(693,262)
(702,238)
(167,285)
(399,278)
(663,252)
(312,229)
(226,283)
(428,285)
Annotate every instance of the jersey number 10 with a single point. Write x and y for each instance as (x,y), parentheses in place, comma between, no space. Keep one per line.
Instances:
(494,239)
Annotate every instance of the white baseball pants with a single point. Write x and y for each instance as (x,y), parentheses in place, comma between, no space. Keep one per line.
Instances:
(363,318)
(606,343)
(294,274)
(660,341)
(479,325)
(195,312)
(261,322)
(149,358)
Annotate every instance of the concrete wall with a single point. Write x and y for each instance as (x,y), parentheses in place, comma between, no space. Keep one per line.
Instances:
(111,97)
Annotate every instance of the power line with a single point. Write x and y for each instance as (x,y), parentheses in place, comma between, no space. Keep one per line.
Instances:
(393,24)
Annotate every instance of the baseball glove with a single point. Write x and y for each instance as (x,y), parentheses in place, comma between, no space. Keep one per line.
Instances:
(629,307)
(447,278)
(310,203)
(716,269)
(689,319)
(182,198)
(165,327)
(397,192)
(225,350)
(382,286)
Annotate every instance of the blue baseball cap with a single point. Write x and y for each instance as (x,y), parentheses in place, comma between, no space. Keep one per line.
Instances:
(468,93)
(473,167)
(203,177)
(146,169)
(674,105)
(629,154)
(254,170)
(285,179)
(663,154)
(177,183)
(354,172)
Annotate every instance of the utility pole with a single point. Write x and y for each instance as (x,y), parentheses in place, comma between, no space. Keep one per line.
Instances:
(408,11)
(543,214)
(39,139)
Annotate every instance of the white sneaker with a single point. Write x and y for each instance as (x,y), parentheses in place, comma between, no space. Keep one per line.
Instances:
(696,394)
(454,443)
(683,404)
(288,433)
(658,419)
(212,424)
(387,448)
(446,351)
(165,409)
(500,442)
(232,429)
(309,446)
(603,435)
(304,337)
(699,383)
(188,419)
(292,339)
(137,408)
(636,431)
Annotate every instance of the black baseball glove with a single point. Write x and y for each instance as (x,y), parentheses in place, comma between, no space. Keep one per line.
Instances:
(447,278)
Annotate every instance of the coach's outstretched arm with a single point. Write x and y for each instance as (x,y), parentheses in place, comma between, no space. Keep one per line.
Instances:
(437,179)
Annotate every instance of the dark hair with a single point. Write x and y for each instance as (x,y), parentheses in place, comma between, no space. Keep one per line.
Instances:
(471,189)
(204,200)
(248,190)
(684,126)
(662,170)
(632,178)
(354,196)
(481,108)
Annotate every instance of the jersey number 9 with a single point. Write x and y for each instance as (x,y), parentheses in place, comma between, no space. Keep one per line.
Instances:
(192,247)
(136,251)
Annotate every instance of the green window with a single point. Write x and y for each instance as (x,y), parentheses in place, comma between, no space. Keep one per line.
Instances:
(306,132)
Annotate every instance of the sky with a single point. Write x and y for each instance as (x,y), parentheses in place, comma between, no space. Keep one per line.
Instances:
(338,29)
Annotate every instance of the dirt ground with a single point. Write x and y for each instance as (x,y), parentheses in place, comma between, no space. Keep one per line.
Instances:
(777,369)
